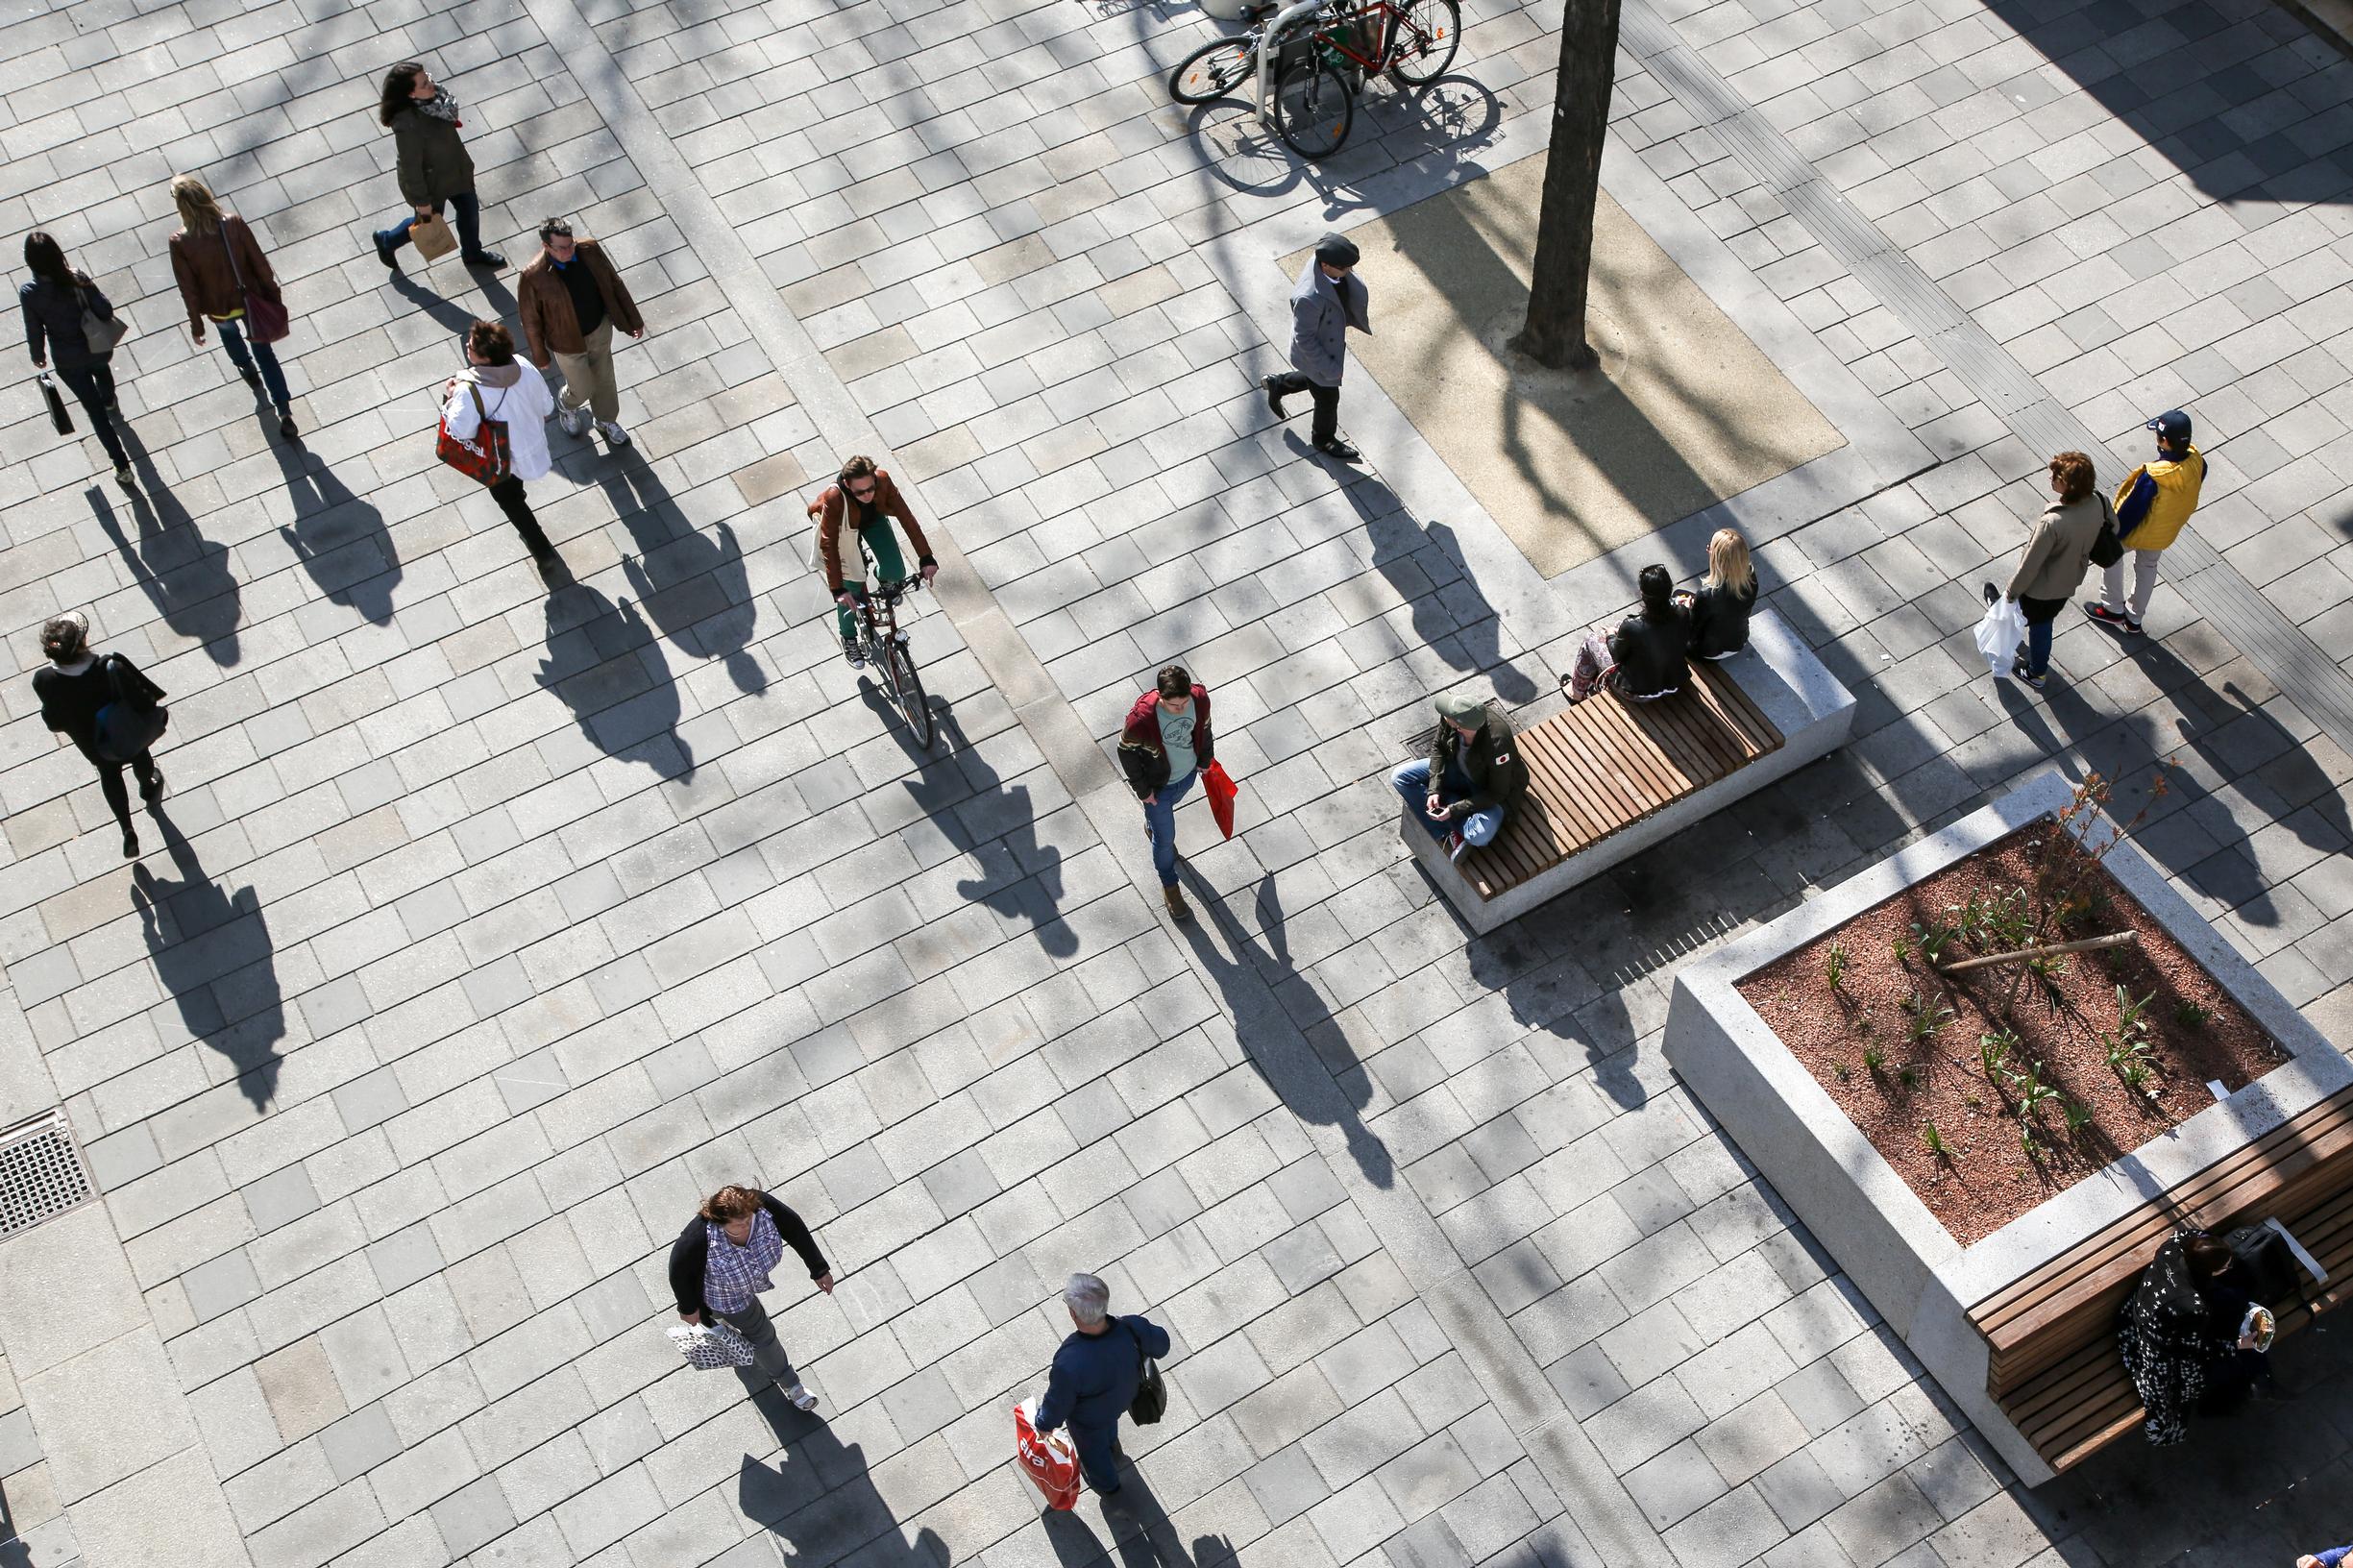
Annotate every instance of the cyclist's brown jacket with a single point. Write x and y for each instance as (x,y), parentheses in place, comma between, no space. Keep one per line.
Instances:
(831,509)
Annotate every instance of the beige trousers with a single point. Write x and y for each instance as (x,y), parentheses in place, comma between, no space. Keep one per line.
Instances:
(588,376)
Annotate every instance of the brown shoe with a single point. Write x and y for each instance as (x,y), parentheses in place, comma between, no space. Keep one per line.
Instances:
(1178,909)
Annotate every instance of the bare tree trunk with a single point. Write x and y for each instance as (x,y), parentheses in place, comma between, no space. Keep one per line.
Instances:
(1555,331)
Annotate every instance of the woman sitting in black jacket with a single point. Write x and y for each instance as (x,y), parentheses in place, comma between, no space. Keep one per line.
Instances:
(2182,1335)
(1720,607)
(1646,656)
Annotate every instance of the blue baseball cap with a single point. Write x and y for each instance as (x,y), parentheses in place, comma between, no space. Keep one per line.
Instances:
(2173,426)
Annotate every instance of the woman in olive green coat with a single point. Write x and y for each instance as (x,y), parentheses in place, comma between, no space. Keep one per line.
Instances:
(433,165)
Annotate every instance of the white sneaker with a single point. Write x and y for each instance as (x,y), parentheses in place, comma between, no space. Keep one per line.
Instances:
(801,1399)
(614,435)
(573,420)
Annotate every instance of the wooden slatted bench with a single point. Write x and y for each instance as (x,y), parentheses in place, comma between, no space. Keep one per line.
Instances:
(2051,1336)
(1607,776)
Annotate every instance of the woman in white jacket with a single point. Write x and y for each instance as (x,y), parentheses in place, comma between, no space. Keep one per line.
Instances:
(498,387)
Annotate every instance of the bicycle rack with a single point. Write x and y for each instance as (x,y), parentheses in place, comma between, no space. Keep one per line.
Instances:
(1267,43)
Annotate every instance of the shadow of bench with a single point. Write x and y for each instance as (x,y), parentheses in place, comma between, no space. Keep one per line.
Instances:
(2053,1367)
(1608,779)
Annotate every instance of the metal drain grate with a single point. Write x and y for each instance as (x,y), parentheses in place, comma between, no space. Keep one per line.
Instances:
(41,1173)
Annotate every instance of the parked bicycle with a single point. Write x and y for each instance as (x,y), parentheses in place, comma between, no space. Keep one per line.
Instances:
(883,645)
(1324,60)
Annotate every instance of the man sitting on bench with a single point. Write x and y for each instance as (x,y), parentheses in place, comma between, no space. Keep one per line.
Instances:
(1461,791)
(1648,655)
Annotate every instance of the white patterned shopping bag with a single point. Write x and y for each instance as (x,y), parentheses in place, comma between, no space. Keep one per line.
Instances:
(710,1347)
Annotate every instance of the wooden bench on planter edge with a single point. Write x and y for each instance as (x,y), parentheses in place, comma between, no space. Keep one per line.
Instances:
(1608,779)
(2051,1335)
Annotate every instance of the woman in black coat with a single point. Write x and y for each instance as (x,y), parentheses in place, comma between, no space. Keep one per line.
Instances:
(53,304)
(434,166)
(73,689)
(721,1263)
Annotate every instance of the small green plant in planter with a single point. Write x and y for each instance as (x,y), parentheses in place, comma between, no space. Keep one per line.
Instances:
(1994,1052)
(1907,1077)
(2028,1143)
(1834,965)
(1902,947)
(1841,1071)
(2190,1016)
(1935,1140)
(1933,940)
(2078,1116)
(1873,1059)
(1927,1017)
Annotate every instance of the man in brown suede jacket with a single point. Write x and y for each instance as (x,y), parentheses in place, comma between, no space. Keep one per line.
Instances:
(571,299)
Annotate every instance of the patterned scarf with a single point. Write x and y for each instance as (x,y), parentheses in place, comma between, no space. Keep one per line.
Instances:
(733,1275)
(440,106)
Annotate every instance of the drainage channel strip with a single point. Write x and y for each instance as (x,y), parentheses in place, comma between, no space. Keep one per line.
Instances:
(2308,677)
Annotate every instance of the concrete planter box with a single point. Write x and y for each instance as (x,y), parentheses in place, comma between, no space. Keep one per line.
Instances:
(1791,687)
(1918,1278)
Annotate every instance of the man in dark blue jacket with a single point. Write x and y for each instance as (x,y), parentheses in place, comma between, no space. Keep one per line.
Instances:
(1094,1378)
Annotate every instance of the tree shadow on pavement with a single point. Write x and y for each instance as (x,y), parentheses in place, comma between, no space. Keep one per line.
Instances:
(994,824)
(213,952)
(819,1500)
(604,664)
(1326,1087)
(1143,1536)
(692,584)
(1426,568)
(340,539)
(185,575)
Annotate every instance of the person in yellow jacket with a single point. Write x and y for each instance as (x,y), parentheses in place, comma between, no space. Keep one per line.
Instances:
(2151,505)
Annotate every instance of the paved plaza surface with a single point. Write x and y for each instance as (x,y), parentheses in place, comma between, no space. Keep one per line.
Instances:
(488,928)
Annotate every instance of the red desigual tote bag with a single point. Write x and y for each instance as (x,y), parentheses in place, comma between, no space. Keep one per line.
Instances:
(491,456)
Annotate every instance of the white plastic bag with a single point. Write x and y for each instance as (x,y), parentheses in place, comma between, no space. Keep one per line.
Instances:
(1999,633)
(711,1346)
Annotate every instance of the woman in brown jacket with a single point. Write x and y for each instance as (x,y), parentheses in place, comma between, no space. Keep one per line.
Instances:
(2057,556)
(858,510)
(213,255)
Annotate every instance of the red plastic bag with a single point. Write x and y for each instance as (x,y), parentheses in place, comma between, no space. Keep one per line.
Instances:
(1221,792)
(1049,1462)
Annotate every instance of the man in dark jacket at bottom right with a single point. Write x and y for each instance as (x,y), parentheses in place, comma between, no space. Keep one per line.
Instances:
(1094,1378)
(1462,790)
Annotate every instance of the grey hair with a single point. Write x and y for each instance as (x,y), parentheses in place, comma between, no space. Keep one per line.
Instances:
(1087,1298)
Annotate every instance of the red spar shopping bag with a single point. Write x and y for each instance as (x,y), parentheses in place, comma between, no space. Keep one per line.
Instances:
(1049,1462)
(1221,790)
(490,457)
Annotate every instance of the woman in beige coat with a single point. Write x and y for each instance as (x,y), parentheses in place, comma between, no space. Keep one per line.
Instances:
(2057,558)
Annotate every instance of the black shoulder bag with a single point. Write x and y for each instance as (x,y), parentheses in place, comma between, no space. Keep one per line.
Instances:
(1151,1400)
(2107,550)
(131,720)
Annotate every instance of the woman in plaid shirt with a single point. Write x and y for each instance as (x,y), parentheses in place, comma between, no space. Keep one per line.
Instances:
(721,1261)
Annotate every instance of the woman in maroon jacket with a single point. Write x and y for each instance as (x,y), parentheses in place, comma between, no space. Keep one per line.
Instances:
(722,1261)
(1163,748)
(217,262)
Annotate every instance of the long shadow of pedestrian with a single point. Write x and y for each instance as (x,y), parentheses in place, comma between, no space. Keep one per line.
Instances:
(820,1500)
(1425,566)
(692,584)
(993,822)
(341,540)
(1141,1533)
(604,664)
(213,952)
(1328,1086)
(185,576)
(452,315)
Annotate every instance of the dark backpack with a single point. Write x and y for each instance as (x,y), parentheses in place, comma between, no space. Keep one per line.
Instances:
(2271,1269)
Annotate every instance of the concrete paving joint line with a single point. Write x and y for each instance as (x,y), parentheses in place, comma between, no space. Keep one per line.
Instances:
(2276,645)
(1600,1506)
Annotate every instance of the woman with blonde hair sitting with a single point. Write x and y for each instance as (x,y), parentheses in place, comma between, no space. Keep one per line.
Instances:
(1720,608)
(221,269)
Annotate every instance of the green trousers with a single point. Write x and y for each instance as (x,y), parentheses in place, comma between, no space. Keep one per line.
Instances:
(881,543)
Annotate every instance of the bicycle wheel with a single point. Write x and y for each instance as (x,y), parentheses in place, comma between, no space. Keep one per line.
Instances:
(1427,32)
(1211,71)
(1313,108)
(908,688)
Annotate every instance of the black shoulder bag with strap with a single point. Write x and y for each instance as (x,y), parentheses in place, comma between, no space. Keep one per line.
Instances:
(2107,548)
(1151,1400)
(131,720)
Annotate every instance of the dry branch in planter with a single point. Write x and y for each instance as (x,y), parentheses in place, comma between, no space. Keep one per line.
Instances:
(2085,946)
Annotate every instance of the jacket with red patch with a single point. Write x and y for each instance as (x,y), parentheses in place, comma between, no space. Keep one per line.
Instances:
(1143,757)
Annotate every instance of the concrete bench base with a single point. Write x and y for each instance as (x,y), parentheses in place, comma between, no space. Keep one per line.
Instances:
(1780,675)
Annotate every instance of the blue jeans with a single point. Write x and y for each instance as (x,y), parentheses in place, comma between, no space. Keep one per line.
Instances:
(1159,827)
(2040,613)
(93,384)
(1413,782)
(244,358)
(469,214)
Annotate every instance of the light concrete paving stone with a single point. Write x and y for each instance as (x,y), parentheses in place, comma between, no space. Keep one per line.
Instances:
(108,1414)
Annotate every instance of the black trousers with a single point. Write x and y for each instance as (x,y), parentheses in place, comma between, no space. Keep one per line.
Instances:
(508,494)
(1325,429)
(110,779)
(94,385)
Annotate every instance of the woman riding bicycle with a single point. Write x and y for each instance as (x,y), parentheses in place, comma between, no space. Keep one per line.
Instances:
(859,506)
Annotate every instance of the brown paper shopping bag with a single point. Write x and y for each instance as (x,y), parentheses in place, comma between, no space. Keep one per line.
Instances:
(432,237)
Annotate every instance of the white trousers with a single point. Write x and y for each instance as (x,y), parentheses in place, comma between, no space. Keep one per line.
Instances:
(2144,584)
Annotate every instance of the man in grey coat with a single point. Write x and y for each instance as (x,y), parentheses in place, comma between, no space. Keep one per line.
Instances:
(1328,300)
